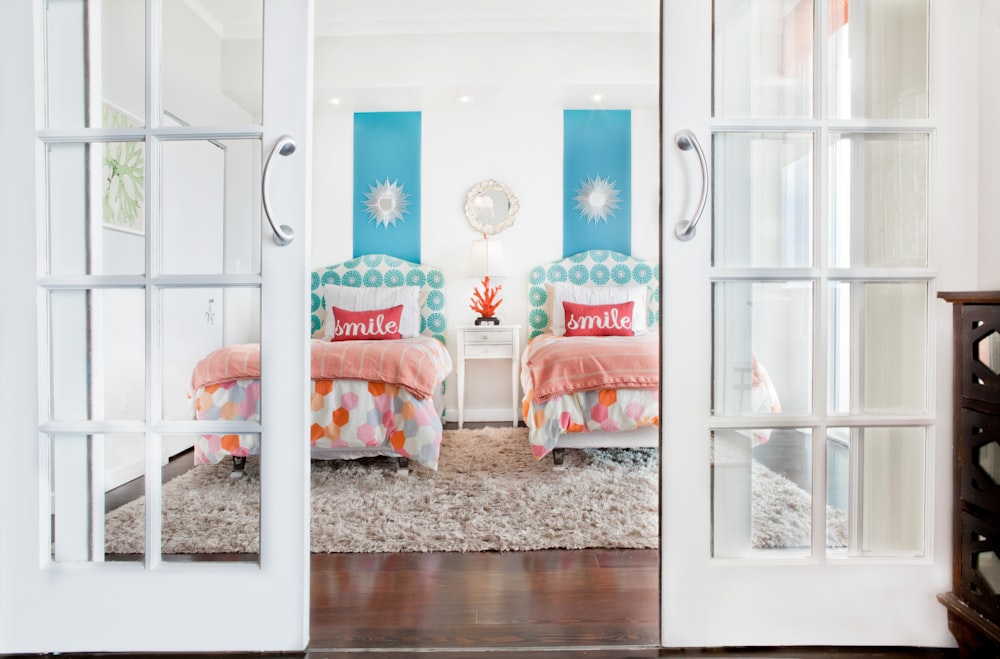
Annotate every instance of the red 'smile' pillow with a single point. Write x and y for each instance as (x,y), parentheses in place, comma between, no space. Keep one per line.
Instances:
(376,324)
(599,319)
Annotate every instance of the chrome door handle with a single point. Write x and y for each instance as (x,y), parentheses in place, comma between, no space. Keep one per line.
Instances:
(686,141)
(285,146)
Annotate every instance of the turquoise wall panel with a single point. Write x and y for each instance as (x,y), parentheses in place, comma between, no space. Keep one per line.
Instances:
(597,180)
(387,184)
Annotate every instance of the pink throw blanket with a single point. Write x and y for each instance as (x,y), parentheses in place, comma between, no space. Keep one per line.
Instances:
(553,366)
(418,364)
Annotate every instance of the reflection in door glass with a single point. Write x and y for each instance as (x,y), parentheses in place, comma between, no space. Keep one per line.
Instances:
(762,493)
(878,204)
(94,58)
(763,348)
(212,70)
(97,347)
(195,322)
(887,511)
(763,59)
(96,208)
(877,339)
(763,204)
(878,59)
(210,206)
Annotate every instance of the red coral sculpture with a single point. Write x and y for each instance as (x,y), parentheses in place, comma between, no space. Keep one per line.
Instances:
(486,302)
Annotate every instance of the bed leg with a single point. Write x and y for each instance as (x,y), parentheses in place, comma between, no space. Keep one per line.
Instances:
(402,466)
(557,458)
(239,464)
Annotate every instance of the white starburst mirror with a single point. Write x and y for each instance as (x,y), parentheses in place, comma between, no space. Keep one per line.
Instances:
(491,207)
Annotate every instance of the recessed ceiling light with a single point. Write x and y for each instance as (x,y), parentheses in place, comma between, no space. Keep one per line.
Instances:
(597,98)
(465,98)
(334,101)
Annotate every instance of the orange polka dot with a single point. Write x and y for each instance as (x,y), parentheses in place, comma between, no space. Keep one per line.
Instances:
(376,388)
(539,418)
(397,440)
(408,411)
(230,442)
(315,432)
(332,431)
(341,416)
(229,411)
(574,427)
(317,402)
(211,389)
(323,387)
(607,397)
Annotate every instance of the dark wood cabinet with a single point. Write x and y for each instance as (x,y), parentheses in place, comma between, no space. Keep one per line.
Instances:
(974,602)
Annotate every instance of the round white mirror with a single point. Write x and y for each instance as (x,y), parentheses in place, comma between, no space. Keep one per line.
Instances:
(491,207)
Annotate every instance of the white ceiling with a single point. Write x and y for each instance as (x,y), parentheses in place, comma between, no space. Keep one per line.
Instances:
(233,20)
(376,55)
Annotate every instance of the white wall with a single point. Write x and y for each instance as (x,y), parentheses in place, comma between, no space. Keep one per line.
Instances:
(989,140)
(519,147)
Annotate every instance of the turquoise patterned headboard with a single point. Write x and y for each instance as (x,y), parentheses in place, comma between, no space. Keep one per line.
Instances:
(596,267)
(376,270)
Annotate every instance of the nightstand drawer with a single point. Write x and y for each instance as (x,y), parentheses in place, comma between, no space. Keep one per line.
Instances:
(488,336)
(489,350)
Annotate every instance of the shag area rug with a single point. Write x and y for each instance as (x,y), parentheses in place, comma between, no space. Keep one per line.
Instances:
(489,494)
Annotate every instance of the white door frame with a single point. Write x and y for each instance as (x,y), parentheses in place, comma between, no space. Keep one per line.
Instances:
(48,606)
(814,601)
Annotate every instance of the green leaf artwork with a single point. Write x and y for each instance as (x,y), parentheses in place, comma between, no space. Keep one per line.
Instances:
(124,171)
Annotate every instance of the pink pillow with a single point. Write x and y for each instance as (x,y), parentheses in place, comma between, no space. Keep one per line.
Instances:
(599,319)
(376,324)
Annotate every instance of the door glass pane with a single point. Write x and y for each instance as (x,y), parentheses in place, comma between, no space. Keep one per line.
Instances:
(207,509)
(95,209)
(762,210)
(888,465)
(761,492)
(878,59)
(195,322)
(763,348)
(878,205)
(878,348)
(81,498)
(763,58)
(210,205)
(97,349)
(95,53)
(213,63)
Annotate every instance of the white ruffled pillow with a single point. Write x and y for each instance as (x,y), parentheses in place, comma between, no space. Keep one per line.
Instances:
(565,292)
(355,298)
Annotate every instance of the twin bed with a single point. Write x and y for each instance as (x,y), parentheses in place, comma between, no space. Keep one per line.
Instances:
(378,369)
(590,372)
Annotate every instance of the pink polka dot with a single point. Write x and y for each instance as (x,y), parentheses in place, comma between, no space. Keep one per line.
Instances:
(366,434)
(634,410)
(609,425)
(599,413)
(565,419)
(349,400)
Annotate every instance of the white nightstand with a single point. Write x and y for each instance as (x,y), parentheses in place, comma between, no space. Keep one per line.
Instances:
(489,342)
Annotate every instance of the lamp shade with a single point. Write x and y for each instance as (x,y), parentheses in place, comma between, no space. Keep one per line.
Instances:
(486,259)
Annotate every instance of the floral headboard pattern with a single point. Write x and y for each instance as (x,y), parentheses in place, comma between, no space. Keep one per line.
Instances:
(595,267)
(378,270)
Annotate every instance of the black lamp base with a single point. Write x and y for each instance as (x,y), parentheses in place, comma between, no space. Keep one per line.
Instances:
(487,320)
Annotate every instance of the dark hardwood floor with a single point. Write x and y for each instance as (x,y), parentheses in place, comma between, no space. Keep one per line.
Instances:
(551,599)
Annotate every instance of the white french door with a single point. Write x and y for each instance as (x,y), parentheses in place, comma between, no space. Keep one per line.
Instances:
(806,422)
(133,220)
